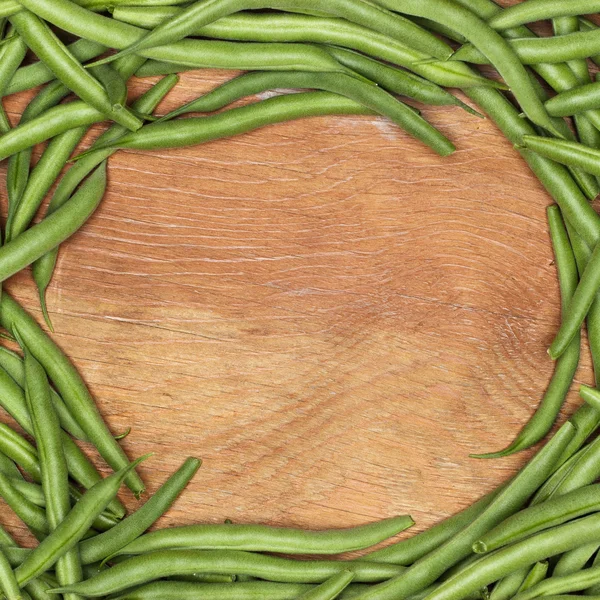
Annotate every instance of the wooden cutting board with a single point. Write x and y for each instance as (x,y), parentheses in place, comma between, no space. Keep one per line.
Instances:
(325,312)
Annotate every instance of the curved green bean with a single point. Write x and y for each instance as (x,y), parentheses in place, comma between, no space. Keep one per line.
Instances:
(8,582)
(255,590)
(18,449)
(369,95)
(508,586)
(41,180)
(538,10)
(548,514)
(157,565)
(330,589)
(261,538)
(577,100)
(536,574)
(50,50)
(32,515)
(108,544)
(72,529)
(53,464)
(9,468)
(69,384)
(12,363)
(574,560)
(54,229)
(187,21)
(187,132)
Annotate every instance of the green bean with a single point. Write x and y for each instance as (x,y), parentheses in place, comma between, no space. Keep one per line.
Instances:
(108,544)
(12,363)
(370,96)
(12,54)
(587,25)
(537,10)
(559,585)
(5,538)
(546,413)
(68,383)
(508,586)
(17,448)
(55,475)
(330,589)
(574,560)
(531,51)
(512,497)
(261,538)
(32,515)
(38,73)
(590,395)
(10,7)
(536,574)
(412,549)
(301,28)
(157,565)
(43,268)
(32,491)
(174,134)
(8,582)
(199,14)
(548,514)
(577,100)
(54,229)
(72,529)
(255,590)
(41,179)
(9,468)
(50,50)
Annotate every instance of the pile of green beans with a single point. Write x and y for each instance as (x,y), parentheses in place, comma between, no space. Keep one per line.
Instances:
(538,534)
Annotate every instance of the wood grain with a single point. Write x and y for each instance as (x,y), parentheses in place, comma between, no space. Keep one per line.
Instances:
(327,313)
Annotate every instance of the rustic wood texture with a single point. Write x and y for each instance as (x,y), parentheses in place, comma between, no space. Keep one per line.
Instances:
(325,312)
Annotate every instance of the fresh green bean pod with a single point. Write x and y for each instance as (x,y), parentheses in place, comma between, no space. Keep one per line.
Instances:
(108,544)
(255,590)
(9,468)
(8,582)
(12,363)
(330,589)
(551,513)
(18,449)
(32,515)
(54,229)
(72,529)
(577,100)
(199,14)
(546,413)
(41,180)
(538,10)
(574,560)
(50,50)
(38,73)
(508,586)
(157,565)
(369,95)
(175,134)
(261,538)
(53,464)
(536,574)
(565,26)
(12,53)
